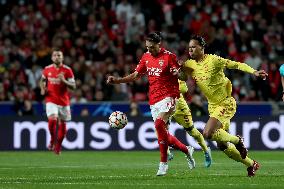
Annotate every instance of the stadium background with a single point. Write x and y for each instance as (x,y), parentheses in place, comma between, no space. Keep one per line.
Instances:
(106,37)
(101,37)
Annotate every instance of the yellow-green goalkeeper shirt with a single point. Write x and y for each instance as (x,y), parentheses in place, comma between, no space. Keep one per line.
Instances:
(210,78)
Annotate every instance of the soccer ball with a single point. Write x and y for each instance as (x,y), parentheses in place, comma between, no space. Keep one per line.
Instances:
(117,120)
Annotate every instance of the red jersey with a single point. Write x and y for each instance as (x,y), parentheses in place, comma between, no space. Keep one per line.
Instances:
(162,82)
(57,91)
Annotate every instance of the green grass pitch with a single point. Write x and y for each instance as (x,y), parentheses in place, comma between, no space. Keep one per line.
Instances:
(135,170)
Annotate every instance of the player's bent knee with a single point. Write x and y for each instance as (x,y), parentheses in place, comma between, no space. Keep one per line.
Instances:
(188,129)
(53,117)
(222,146)
(207,134)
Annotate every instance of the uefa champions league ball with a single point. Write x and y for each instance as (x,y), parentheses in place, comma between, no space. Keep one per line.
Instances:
(117,120)
(281,70)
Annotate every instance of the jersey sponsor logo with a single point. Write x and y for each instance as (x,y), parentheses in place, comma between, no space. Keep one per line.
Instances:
(54,81)
(154,71)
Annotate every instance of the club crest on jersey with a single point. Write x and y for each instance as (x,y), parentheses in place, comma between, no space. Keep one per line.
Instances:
(49,74)
(161,62)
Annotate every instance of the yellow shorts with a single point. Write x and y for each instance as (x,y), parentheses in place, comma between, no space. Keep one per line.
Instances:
(224,111)
(182,114)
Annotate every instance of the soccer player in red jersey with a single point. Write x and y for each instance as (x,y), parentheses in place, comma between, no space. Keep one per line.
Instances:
(55,81)
(161,68)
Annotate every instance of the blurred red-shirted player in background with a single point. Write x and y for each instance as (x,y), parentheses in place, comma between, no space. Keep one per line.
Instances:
(55,81)
(161,67)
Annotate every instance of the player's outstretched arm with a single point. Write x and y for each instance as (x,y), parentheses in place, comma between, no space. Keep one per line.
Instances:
(129,78)
(261,73)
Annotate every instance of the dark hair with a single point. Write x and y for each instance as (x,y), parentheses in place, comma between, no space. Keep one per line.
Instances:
(56,49)
(155,37)
(200,40)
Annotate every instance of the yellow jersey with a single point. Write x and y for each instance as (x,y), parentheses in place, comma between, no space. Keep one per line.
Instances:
(182,87)
(210,78)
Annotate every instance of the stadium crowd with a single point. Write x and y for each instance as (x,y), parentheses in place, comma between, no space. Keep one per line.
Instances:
(101,37)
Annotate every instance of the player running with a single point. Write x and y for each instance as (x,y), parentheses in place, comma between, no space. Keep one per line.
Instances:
(55,81)
(207,71)
(161,68)
(183,117)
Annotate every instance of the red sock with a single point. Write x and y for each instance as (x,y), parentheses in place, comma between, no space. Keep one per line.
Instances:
(60,135)
(175,143)
(160,126)
(52,128)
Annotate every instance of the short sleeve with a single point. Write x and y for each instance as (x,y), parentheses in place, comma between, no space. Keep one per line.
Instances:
(44,74)
(141,67)
(70,75)
(187,64)
(173,61)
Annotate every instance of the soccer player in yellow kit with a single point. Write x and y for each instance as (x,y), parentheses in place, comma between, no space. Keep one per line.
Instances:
(207,71)
(183,117)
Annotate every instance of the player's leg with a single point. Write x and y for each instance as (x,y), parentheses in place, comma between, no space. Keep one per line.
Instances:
(52,122)
(64,115)
(213,130)
(219,122)
(183,117)
(231,151)
(60,136)
(52,115)
(216,129)
(170,155)
(162,135)
(161,112)
(187,150)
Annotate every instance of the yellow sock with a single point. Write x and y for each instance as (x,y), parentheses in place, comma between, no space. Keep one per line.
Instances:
(199,138)
(234,154)
(222,136)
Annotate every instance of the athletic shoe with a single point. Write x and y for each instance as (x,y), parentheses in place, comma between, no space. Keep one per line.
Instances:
(170,155)
(208,158)
(57,149)
(241,147)
(189,157)
(252,169)
(163,168)
(50,147)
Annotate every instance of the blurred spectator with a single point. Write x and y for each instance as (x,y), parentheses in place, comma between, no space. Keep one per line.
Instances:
(105,37)
(78,97)
(85,112)
(22,106)
(134,109)
(28,108)
(118,94)
(274,81)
